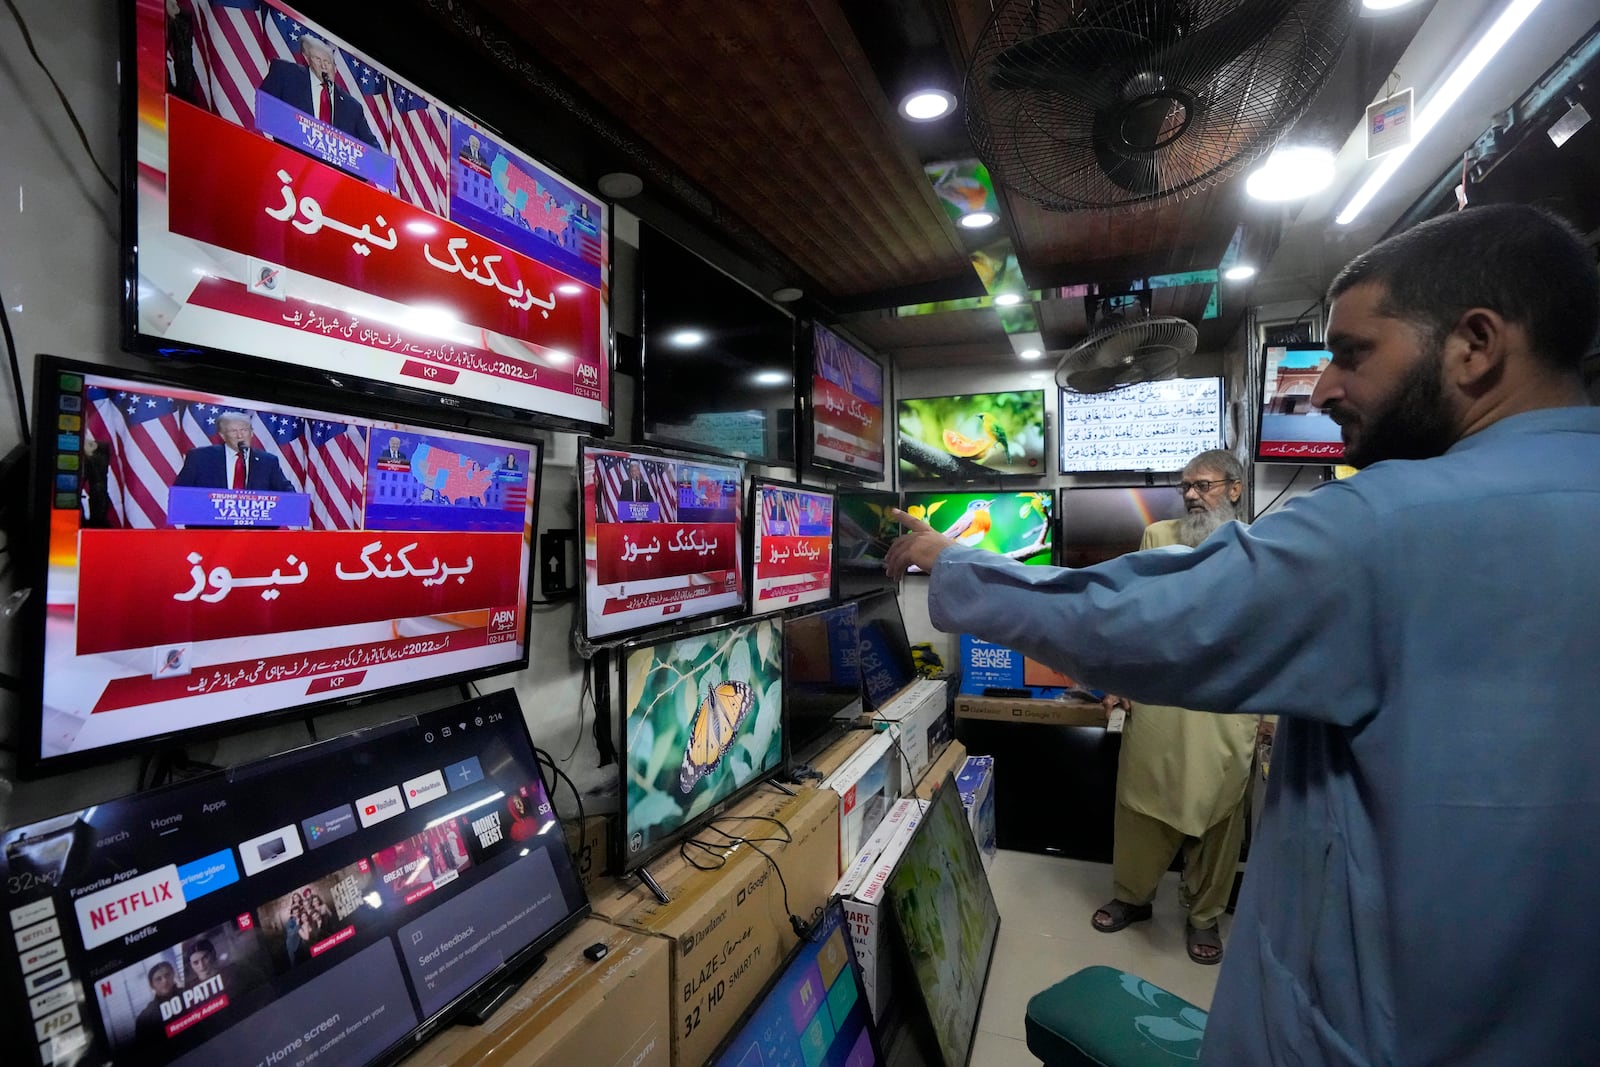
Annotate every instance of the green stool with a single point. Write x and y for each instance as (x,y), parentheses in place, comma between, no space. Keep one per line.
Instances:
(1103,1017)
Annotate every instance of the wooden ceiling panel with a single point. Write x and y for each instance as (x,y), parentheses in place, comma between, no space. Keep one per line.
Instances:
(779,117)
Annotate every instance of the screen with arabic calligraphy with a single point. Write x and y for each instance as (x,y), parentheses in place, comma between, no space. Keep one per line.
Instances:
(792,552)
(1291,430)
(662,535)
(1149,426)
(278,556)
(366,229)
(846,407)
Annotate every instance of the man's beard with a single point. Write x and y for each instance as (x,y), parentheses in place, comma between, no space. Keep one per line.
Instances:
(1416,423)
(1195,526)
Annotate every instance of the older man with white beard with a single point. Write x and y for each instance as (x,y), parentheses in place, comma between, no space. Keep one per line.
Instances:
(1181,777)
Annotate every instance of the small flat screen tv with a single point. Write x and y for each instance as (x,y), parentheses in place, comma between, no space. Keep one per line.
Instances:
(1098,524)
(1290,429)
(863,531)
(978,435)
(1150,426)
(814,1011)
(1018,525)
(886,663)
(717,364)
(822,690)
(791,553)
(947,922)
(662,535)
(186,589)
(702,721)
(340,900)
(846,409)
(369,231)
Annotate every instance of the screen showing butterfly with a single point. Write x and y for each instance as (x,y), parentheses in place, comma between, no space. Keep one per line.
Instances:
(703,722)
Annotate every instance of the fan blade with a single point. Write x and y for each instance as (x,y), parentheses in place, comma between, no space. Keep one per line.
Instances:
(1196,58)
(1072,61)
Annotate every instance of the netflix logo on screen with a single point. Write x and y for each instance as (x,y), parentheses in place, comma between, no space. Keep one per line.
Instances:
(502,624)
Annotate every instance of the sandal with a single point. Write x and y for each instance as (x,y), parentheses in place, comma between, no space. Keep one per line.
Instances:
(1196,938)
(1122,915)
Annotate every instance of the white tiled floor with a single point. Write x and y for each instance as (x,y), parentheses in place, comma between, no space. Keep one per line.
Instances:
(1045,903)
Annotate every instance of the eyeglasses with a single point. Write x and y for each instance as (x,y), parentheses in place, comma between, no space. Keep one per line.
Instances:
(1203,485)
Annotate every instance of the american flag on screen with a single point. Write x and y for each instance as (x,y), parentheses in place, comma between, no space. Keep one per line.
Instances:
(336,457)
(612,471)
(240,38)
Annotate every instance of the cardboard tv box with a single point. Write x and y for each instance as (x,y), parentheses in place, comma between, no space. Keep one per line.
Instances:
(610,1013)
(727,930)
(862,890)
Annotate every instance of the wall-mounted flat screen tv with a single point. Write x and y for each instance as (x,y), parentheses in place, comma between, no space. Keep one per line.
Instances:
(209,556)
(1290,429)
(717,365)
(663,537)
(294,208)
(1098,524)
(791,554)
(846,407)
(702,722)
(1019,525)
(1149,426)
(863,531)
(339,901)
(972,436)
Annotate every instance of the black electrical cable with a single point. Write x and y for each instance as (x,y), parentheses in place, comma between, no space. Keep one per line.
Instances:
(16,373)
(72,116)
(1279,497)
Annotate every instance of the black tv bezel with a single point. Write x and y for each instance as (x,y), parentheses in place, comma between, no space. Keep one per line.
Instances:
(836,468)
(30,763)
(183,356)
(1061,444)
(751,519)
(919,476)
(514,970)
(886,582)
(1261,410)
(873,1037)
(823,738)
(642,401)
(1053,525)
(581,620)
(625,863)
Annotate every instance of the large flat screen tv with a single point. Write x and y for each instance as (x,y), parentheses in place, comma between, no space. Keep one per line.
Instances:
(329,905)
(863,531)
(717,364)
(947,921)
(973,436)
(846,409)
(1098,524)
(822,692)
(1150,426)
(1290,430)
(814,1011)
(183,588)
(294,208)
(1018,525)
(702,719)
(663,537)
(791,553)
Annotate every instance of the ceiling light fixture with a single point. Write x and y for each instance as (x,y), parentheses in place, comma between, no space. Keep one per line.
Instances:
(1239,273)
(687,339)
(1443,99)
(1291,173)
(925,105)
(977,220)
(1029,353)
(1006,300)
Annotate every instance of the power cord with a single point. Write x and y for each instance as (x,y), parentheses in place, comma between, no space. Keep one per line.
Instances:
(72,116)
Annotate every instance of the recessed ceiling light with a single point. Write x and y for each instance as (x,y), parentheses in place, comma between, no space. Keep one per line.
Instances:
(1029,353)
(977,220)
(1239,273)
(1291,173)
(788,294)
(569,288)
(925,105)
(687,339)
(771,377)
(1006,300)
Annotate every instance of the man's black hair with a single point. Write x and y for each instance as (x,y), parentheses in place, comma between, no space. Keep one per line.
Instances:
(1525,263)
